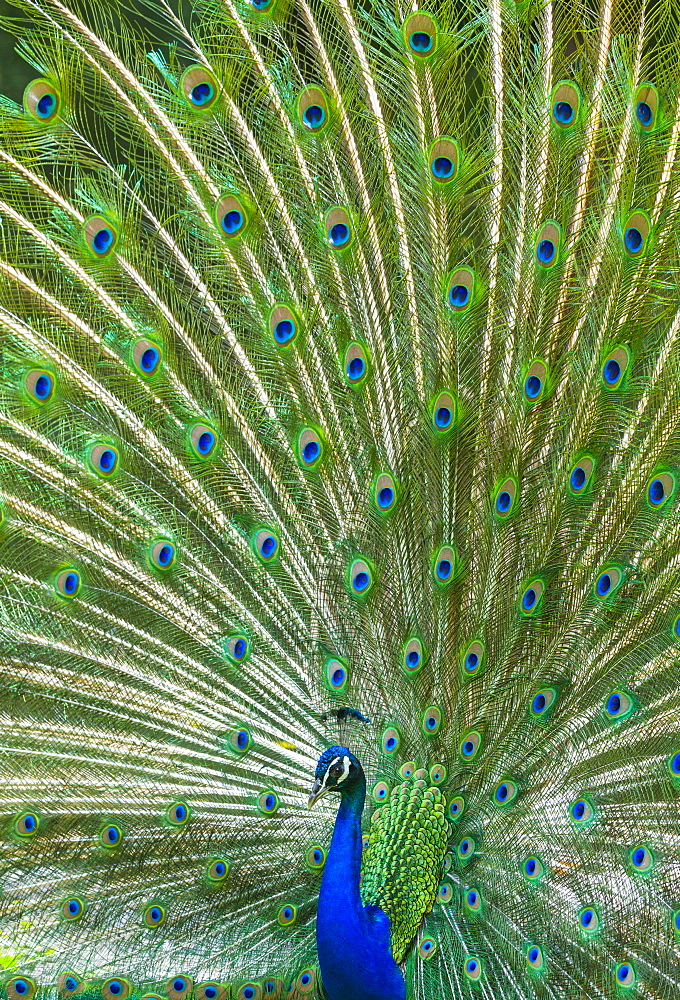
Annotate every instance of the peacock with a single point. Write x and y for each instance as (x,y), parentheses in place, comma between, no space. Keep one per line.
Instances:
(340,500)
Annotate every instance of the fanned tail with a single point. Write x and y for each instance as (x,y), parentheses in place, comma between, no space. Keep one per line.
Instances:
(339,368)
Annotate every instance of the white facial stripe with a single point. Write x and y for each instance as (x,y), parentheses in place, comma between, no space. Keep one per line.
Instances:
(346,764)
(328,771)
(345,769)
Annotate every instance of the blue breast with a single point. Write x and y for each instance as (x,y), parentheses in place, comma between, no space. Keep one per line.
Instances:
(353,941)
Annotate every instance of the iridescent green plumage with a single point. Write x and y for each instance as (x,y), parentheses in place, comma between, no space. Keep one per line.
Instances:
(340,369)
(402,866)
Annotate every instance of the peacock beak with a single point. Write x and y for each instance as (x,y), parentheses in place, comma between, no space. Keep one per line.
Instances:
(317,791)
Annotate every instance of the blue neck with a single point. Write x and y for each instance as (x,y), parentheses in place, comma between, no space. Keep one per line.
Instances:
(343,864)
(353,942)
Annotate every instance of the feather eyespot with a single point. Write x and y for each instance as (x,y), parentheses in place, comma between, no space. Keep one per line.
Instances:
(103,459)
(460,288)
(40,385)
(337,675)
(42,101)
(287,915)
(111,835)
(618,705)
(625,974)
(218,870)
(338,228)
(178,814)
(412,656)
(407,769)
(660,489)
(199,87)
(581,475)
(676,922)
(445,893)
(469,745)
(146,357)
(115,988)
(27,824)
(272,987)
(241,740)
(432,720)
(265,543)
(249,991)
(268,802)
(283,325)
(615,366)
(428,947)
(473,968)
(100,236)
(179,987)
(67,983)
(505,498)
(203,440)
(437,774)
(674,765)
(444,412)
(444,566)
(444,158)
(589,919)
(356,364)
(380,791)
(641,858)
(315,857)
(360,576)
(535,381)
(72,908)
(153,915)
(466,848)
(473,900)
(473,658)
(532,597)
(608,582)
(20,988)
(456,807)
(535,957)
(162,554)
(646,104)
(237,647)
(68,582)
(211,991)
(548,245)
(390,740)
(635,234)
(384,493)
(542,702)
(581,812)
(533,868)
(231,216)
(565,101)
(313,109)
(306,981)
(505,792)
(420,32)
(309,447)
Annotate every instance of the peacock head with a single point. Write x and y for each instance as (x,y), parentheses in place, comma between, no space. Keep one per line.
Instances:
(337,771)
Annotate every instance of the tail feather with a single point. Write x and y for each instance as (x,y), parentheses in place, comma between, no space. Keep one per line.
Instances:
(133,685)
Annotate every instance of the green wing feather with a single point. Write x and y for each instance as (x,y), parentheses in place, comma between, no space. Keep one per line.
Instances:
(402,864)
